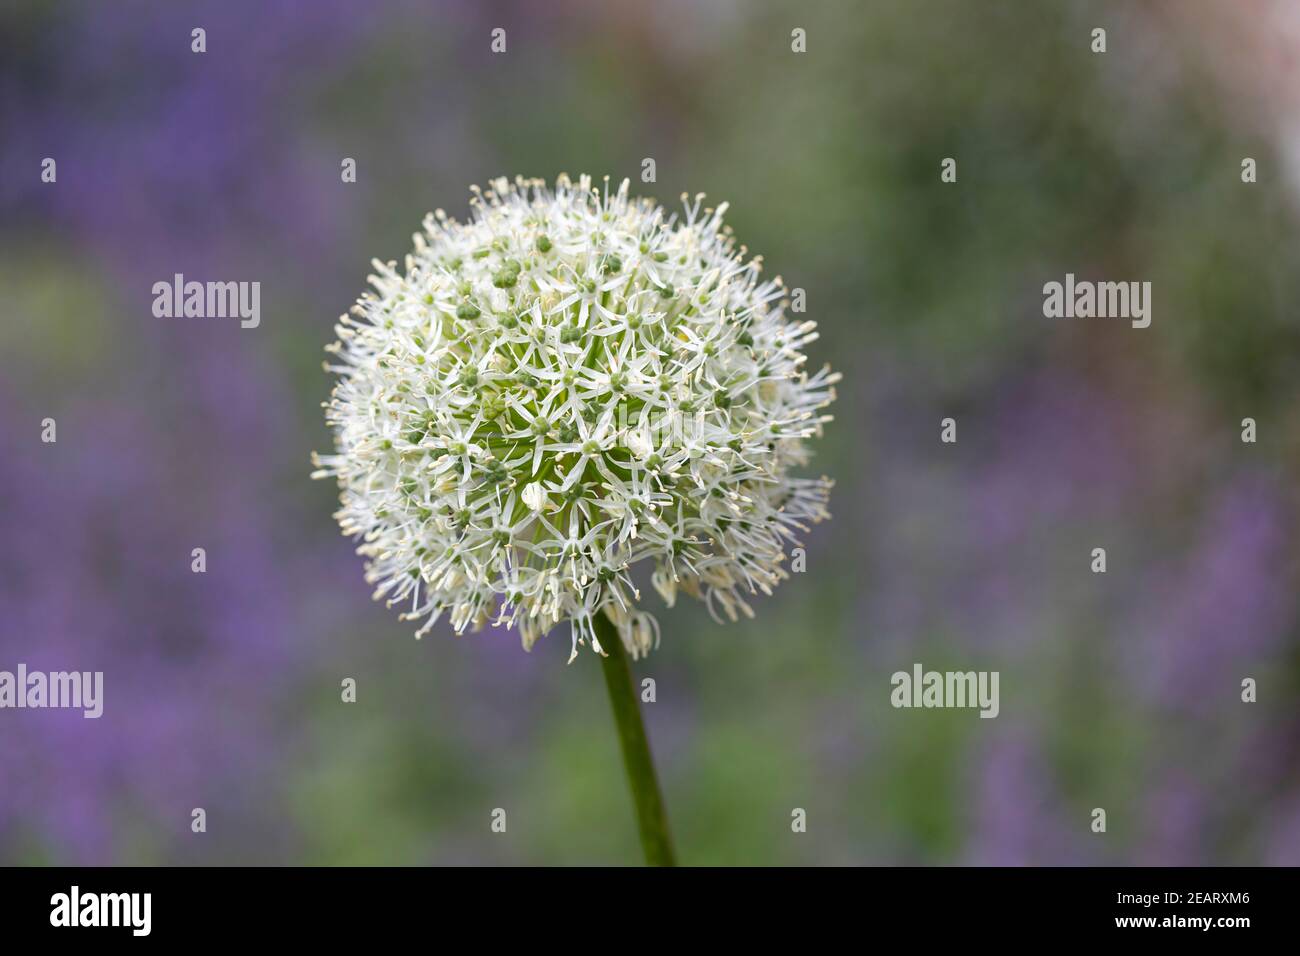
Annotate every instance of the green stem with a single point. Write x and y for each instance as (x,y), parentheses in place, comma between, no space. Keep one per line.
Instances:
(652,819)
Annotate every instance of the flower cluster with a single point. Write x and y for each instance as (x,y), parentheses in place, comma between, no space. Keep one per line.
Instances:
(569,384)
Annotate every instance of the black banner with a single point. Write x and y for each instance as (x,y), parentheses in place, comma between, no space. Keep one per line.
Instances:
(237,904)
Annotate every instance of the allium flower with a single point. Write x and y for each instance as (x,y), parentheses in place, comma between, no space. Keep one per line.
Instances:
(570,384)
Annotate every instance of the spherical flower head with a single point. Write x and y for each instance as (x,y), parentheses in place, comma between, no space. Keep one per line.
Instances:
(570,385)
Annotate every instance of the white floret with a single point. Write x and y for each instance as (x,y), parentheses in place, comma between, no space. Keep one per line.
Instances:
(569,384)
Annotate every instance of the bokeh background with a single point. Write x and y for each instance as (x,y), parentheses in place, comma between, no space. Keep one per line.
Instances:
(1119,691)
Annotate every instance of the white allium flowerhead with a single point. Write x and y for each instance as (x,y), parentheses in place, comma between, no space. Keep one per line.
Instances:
(570,384)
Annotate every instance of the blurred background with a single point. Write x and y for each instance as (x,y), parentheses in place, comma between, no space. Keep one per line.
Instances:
(222,690)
